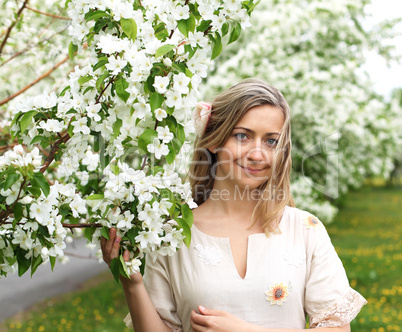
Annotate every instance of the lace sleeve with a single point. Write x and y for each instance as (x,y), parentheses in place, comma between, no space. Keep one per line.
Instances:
(342,312)
(173,327)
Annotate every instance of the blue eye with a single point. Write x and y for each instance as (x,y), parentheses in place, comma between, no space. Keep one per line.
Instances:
(240,136)
(272,141)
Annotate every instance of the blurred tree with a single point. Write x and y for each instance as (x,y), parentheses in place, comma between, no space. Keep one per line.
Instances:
(313,51)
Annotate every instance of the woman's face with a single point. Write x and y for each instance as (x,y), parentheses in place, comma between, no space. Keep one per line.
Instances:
(245,159)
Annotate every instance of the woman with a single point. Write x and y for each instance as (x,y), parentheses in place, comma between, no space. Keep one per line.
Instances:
(256,263)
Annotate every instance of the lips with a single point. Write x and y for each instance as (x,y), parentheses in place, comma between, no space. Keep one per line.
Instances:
(252,170)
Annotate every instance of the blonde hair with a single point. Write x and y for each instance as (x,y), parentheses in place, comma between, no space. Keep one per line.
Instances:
(227,110)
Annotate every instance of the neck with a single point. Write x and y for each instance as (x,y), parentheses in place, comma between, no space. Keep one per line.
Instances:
(233,202)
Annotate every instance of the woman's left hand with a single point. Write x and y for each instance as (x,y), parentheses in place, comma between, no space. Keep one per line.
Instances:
(216,321)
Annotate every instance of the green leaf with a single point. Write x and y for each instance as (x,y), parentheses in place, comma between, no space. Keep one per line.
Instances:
(89,232)
(186,231)
(179,66)
(121,86)
(187,214)
(84,79)
(52,260)
(116,127)
(235,33)
(39,180)
(18,211)
(66,4)
(26,120)
(36,261)
(251,6)
(181,136)
(156,101)
(225,29)
(115,268)
(95,197)
(34,191)
(189,50)
(204,25)
(15,119)
(147,137)
(72,48)
(44,231)
(182,26)
(170,157)
(163,50)
(160,31)
(105,232)
(95,15)
(217,47)
(123,268)
(129,27)
(132,234)
(23,263)
(190,22)
(10,180)
(101,80)
(100,24)
(38,139)
(102,61)
(70,130)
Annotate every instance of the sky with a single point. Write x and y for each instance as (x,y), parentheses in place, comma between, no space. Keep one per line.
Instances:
(385,78)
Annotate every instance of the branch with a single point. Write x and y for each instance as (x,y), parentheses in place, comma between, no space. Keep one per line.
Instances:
(78,256)
(81,225)
(4,101)
(5,213)
(3,43)
(53,151)
(47,14)
(8,146)
(66,225)
(30,47)
(100,95)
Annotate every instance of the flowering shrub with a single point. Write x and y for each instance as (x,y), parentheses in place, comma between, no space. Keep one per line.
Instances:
(103,153)
(314,51)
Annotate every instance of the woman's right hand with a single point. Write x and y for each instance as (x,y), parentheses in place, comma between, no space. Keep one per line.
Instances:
(111,248)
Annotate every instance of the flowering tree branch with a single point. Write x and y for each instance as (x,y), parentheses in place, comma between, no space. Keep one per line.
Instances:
(47,14)
(6,100)
(53,151)
(30,47)
(3,43)
(5,213)
(132,100)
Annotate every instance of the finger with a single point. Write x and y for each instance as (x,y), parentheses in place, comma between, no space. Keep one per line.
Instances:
(110,242)
(102,242)
(198,320)
(209,312)
(116,247)
(126,255)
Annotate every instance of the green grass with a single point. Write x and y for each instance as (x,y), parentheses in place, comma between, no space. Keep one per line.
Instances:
(367,234)
(100,307)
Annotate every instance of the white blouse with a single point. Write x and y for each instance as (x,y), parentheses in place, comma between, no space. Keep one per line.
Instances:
(289,275)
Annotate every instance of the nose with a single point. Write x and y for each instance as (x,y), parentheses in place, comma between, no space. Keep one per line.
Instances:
(257,153)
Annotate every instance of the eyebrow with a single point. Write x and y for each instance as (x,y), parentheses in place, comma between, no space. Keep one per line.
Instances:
(252,131)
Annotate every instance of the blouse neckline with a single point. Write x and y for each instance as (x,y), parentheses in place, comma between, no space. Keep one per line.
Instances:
(220,238)
(226,243)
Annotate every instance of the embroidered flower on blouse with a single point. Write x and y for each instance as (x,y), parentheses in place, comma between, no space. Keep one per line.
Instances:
(294,257)
(313,222)
(209,255)
(277,294)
